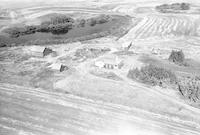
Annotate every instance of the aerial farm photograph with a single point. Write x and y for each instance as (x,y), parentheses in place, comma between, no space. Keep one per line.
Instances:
(99,67)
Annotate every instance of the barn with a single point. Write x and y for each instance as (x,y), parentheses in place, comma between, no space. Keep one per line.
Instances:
(63,68)
(40,51)
(47,51)
(59,67)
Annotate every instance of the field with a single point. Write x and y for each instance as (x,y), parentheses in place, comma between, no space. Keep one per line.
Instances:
(156,26)
(93,94)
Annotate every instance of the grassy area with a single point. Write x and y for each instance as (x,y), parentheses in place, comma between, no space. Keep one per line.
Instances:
(106,75)
(43,79)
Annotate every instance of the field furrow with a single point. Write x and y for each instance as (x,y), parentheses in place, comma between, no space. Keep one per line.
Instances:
(162,27)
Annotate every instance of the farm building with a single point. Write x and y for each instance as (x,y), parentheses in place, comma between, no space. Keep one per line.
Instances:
(155,51)
(47,51)
(40,51)
(99,64)
(109,63)
(59,67)
(127,45)
(63,68)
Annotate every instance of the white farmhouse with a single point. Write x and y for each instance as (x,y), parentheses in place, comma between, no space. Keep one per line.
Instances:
(109,63)
(99,64)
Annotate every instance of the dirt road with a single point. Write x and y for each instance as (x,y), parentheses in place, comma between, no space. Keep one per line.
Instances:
(26,111)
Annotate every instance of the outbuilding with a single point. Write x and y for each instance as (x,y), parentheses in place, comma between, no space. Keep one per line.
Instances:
(63,68)
(59,67)
(40,51)
(47,51)
(127,45)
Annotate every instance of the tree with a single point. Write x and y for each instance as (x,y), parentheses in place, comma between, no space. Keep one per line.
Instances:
(185,6)
(43,28)
(82,22)
(61,19)
(60,28)
(92,22)
(177,57)
(103,19)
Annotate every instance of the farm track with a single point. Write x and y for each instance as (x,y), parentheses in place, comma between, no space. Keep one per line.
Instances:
(37,13)
(38,112)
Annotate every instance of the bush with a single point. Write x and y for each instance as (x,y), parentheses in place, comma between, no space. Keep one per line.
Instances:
(180,6)
(153,75)
(19,31)
(103,19)
(15,31)
(25,30)
(92,22)
(98,20)
(177,57)
(30,29)
(43,28)
(190,88)
(58,19)
(59,24)
(81,23)
(185,6)
(59,28)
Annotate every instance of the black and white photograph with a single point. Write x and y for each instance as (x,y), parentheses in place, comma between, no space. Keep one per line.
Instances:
(99,67)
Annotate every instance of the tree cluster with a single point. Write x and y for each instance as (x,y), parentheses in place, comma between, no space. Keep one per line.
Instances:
(153,75)
(59,24)
(98,20)
(173,7)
